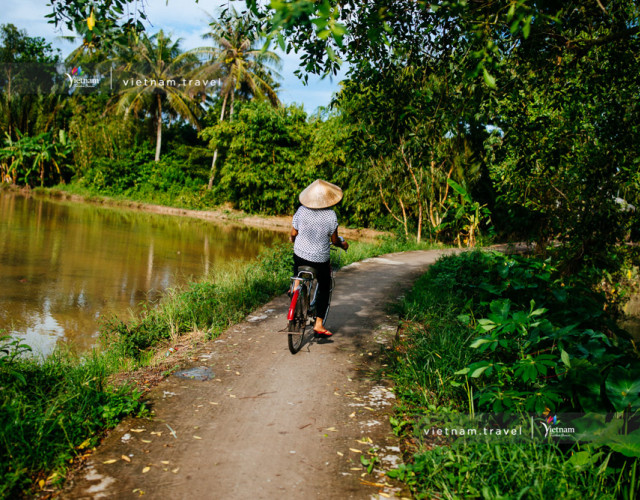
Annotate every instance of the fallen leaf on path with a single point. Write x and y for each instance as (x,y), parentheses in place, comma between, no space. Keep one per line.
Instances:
(112,461)
(337,394)
(175,471)
(332,429)
(126,458)
(212,403)
(145,440)
(41,483)
(364,440)
(137,430)
(146,469)
(232,395)
(367,408)
(165,462)
(173,433)
(369,483)
(352,415)
(159,433)
(355,468)
(384,495)
(341,454)
(197,437)
(138,491)
(355,450)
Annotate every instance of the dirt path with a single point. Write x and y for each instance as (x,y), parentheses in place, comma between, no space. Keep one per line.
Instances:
(269,425)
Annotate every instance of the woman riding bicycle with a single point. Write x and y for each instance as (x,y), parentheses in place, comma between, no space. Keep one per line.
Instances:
(315,227)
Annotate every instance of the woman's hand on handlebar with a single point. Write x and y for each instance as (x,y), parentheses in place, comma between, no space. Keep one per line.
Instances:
(338,241)
(342,243)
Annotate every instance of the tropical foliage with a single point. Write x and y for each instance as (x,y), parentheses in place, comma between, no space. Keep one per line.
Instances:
(493,341)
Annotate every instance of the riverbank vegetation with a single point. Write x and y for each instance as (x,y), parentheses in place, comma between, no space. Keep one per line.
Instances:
(507,342)
(54,411)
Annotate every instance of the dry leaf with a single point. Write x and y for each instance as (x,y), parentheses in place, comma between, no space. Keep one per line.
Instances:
(145,440)
(355,468)
(352,415)
(341,454)
(84,444)
(41,483)
(332,429)
(175,471)
(137,430)
(367,408)
(377,485)
(231,396)
(146,469)
(112,461)
(212,403)
(384,495)
(355,450)
(126,458)
(165,462)
(159,433)
(197,437)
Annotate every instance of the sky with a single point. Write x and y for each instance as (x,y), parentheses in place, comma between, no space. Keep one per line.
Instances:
(184,19)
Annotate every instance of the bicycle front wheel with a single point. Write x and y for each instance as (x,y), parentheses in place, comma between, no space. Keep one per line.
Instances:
(299,323)
(326,314)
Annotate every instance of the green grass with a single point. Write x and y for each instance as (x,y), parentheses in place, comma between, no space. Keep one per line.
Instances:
(437,331)
(53,410)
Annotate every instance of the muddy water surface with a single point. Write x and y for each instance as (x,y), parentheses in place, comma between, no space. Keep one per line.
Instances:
(64,266)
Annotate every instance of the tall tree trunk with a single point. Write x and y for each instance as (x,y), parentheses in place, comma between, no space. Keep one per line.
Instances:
(9,103)
(233,92)
(215,153)
(418,192)
(159,129)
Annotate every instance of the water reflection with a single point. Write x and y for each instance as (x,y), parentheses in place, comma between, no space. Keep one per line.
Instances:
(64,265)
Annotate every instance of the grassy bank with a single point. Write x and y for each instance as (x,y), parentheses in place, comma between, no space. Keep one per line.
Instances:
(52,411)
(491,338)
(55,410)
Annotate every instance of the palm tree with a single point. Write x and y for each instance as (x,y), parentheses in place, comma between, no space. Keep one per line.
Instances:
(239,62)
(152,73)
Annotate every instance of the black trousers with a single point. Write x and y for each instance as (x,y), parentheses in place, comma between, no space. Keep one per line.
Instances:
(323,275)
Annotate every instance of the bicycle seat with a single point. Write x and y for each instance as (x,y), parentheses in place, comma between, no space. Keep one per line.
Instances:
(310,271)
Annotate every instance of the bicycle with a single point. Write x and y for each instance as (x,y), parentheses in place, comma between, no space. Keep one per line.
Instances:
(302,310)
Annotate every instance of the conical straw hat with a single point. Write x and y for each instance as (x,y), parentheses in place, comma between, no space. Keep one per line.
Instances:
(320,194)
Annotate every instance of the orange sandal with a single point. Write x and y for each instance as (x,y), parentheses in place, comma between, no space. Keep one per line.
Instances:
(323,333)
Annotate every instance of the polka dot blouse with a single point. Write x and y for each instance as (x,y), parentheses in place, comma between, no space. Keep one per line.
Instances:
(315,228)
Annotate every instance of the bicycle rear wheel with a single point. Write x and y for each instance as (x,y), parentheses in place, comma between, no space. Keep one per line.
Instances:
(299,323)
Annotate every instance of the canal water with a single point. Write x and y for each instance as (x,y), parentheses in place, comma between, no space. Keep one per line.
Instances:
(64,266)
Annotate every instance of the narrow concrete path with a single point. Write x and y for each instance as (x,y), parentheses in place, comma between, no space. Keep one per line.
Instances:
(270,425)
